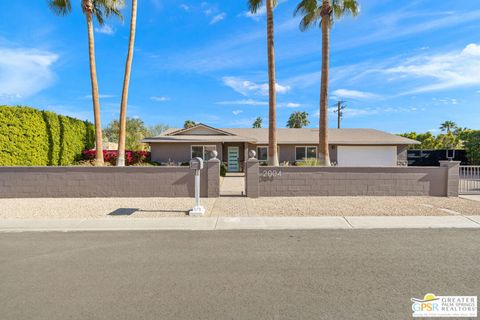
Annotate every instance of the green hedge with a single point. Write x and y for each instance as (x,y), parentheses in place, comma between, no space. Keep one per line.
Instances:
(30,137)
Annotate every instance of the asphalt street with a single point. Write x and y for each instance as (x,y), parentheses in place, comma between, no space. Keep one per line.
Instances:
(323,274)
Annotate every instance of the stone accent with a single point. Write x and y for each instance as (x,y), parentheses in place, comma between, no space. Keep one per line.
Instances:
(345,181)
(453,177)
(69,182)
(251,177)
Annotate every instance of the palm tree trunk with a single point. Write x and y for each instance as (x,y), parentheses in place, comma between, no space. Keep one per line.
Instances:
(93,78)
(272,113)
(323,153)
(126,83)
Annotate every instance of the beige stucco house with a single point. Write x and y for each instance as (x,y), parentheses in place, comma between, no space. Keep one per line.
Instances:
(348,147)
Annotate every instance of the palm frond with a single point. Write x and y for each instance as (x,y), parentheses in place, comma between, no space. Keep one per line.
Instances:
(60,7)
(342,7)
(311,12)
(254,5)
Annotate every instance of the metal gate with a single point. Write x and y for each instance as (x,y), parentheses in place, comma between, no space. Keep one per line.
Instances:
(469,180)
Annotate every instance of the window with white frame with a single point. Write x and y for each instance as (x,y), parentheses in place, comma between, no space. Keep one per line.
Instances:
(303,153)
(262,153)
(204,152)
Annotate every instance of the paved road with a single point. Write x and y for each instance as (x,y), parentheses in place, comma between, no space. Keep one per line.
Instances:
(329,274)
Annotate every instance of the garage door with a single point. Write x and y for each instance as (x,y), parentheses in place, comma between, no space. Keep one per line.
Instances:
(366,156)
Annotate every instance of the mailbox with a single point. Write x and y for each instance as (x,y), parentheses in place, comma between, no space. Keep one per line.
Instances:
(196,163)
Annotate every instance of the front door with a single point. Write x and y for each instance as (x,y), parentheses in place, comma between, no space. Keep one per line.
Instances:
(233,156)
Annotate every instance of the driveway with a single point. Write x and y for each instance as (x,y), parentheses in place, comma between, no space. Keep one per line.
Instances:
(365,274)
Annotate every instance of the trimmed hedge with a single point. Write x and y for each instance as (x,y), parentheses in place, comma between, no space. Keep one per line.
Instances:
(31,137)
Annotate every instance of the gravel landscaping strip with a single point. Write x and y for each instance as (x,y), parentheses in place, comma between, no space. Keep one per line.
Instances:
(236,206)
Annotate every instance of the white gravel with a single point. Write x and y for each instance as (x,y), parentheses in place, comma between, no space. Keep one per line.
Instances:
(235,206)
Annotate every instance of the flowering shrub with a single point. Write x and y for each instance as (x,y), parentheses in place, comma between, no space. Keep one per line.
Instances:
(131,157)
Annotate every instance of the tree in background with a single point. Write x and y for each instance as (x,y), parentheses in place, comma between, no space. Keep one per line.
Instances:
(257,123)
(126,83)
(471,141)
(322,13)
(100,9)
(136,131)
(189,124)
(157,129)
(298,119)
(448,126)
(254,6)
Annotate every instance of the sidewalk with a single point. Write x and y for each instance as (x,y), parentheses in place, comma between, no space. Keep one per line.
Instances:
(239,223)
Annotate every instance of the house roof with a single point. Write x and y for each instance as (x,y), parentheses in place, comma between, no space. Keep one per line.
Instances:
(202,133)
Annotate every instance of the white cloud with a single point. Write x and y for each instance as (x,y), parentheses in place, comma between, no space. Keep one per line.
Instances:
(237,112)
(184,7)
(24,72)
(246,102)
(247,88)
(354,94)
(356,112)
(289,105)
(105,29)
(217,18)
(160,98)
(450,70)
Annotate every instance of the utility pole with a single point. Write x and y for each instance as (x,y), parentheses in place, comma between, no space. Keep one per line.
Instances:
(340,107)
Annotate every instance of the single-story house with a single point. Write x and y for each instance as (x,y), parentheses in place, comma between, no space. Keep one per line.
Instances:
(348,147)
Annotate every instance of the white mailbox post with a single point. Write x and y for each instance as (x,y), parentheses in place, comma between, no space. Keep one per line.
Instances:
(197,165)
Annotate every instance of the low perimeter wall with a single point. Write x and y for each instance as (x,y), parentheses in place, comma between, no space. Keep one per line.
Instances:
(69,182)
(359,181)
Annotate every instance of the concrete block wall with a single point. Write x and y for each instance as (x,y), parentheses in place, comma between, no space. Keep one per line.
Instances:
(345,181)
(69,182)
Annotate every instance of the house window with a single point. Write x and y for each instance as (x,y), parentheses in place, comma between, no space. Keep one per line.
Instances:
(203,152)
(302,153)
(262,153)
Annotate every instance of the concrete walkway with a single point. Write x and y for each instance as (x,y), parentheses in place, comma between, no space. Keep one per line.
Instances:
(240,223)
(232,185)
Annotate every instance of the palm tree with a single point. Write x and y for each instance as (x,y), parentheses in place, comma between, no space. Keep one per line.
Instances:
(298,119)
(126,82)
(448,126)
(257,123)
(254,5)
(99,9)
(189,124)
(323,12)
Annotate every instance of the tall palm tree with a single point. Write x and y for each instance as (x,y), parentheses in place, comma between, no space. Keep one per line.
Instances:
(298,119)
(126,83)
(189,124)
(254,5)
(448,126)
(257,123)
(100,9)
(323,12)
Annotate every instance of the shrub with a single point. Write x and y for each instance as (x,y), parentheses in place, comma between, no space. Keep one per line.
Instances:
(31,137)
(110,156)
(308,163)
(472,145)
(223,169)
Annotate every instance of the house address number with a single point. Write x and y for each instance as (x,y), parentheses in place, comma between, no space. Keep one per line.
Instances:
(271,173)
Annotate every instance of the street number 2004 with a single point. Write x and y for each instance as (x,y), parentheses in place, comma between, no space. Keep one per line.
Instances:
(271,173)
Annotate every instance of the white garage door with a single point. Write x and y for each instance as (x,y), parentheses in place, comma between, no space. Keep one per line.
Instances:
(366,156)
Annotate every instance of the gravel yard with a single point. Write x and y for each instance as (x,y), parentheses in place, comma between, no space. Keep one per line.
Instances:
(236,206)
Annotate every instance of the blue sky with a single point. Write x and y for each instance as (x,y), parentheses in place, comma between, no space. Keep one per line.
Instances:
(401,65)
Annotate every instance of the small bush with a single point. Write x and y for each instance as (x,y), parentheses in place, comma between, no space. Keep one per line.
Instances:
(308,163)
(110,156)
(223,169)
